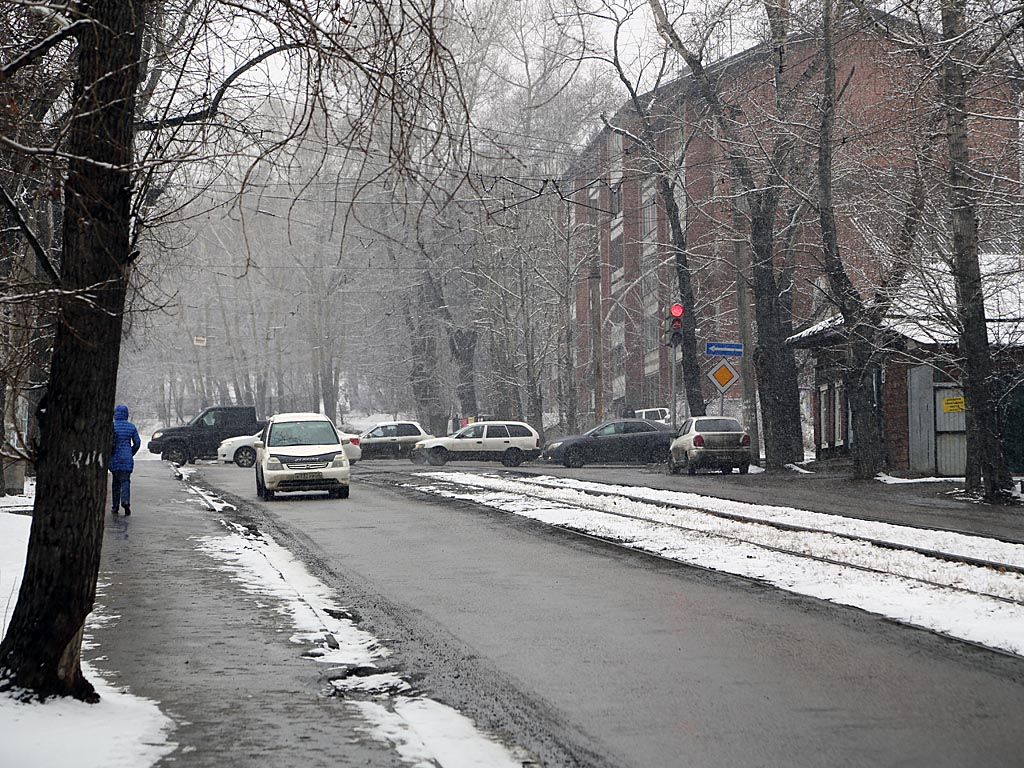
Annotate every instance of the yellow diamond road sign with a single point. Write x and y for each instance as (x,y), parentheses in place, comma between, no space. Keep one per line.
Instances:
(723,375)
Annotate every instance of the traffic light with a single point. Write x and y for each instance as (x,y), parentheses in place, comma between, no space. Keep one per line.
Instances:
(674,325)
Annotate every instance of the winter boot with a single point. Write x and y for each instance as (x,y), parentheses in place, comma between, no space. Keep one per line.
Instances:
(113,510)
(127,510)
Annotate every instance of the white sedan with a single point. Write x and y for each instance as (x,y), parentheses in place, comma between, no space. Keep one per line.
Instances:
(242,450)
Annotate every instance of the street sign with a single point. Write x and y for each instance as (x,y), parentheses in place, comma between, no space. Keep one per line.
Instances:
(723,376)
(723,348)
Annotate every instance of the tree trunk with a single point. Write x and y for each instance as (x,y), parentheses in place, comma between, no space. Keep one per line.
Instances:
(777,381)
(692,378)
(986,465)
(462,344)
(858,373)
(41,652)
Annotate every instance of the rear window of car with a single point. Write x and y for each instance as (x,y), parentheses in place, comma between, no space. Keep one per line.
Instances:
(408,430)
(718,425)
(518,430)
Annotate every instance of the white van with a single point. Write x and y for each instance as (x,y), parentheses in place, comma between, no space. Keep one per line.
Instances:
(653,414)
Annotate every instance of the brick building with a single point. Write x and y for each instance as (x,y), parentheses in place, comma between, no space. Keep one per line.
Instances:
(626,278)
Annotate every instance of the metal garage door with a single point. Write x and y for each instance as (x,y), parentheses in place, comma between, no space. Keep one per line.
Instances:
(950,431)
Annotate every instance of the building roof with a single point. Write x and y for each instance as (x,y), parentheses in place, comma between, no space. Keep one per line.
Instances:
(924,311)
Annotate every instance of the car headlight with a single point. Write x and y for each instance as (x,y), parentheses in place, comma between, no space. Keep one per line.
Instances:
(274,463)
(418,445)
(552,446)
(339,460)
(157,435)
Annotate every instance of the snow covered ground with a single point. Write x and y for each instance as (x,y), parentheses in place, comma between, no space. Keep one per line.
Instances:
(126,731)
(834,562)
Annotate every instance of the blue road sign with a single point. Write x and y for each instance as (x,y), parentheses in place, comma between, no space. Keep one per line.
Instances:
(723,348)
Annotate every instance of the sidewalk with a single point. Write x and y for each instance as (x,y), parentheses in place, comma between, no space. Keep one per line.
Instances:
(217,659)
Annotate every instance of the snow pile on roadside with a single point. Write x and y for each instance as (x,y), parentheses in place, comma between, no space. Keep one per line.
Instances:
(422,732)
(121,731)
(906,591)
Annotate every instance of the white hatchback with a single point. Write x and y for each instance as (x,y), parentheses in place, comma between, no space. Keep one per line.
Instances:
(301,452)
(510,442)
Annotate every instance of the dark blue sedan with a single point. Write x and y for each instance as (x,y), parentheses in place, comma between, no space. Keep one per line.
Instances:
(621,440)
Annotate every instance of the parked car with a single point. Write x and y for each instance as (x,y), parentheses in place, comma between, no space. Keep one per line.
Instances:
(200,438)
(353,446)
(653,414)
(240,450)
(712,442)
(613,441)
(301,452)
(391,439)
(511,442)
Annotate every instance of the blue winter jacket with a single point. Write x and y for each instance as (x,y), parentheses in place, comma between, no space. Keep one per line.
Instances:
(126,441)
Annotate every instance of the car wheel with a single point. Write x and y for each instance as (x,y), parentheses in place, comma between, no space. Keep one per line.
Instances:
(175,454)
(245,457)
(744,468)
(513,457)
(341,493)
(691,469)
(673,468)
(437,457)
(574,459)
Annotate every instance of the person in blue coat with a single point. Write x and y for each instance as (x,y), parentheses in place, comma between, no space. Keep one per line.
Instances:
(122,460)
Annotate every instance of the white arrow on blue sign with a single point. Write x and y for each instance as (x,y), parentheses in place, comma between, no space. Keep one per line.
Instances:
(723,348)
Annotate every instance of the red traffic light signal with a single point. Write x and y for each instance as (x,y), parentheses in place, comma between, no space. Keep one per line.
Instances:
(673,325)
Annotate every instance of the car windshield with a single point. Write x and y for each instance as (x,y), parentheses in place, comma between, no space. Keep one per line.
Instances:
(302,433)
(717,425)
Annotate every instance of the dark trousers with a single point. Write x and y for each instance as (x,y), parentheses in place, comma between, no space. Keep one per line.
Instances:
(120,488)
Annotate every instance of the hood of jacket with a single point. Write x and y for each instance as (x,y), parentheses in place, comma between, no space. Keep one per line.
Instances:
(120,413)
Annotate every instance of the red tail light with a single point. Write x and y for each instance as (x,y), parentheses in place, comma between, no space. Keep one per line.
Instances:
(745,440)
(354,440)
(698,441)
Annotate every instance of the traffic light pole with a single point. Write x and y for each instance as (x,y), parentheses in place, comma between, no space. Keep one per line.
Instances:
(672,364)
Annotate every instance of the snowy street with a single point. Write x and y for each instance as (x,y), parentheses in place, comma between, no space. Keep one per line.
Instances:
(458,618)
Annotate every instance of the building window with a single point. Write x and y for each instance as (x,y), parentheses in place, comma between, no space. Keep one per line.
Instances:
(650,213)
(837,410)
(615,200)
(615,257)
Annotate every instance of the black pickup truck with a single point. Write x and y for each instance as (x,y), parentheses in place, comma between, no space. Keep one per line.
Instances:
(200,437)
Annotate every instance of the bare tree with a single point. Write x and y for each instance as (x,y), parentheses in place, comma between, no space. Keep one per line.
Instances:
(972,50)
(757,202)
(40,655)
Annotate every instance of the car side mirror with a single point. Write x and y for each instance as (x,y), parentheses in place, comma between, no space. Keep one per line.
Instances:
(258,444)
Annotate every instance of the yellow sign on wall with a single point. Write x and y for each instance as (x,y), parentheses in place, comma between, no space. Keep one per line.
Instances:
(953,405)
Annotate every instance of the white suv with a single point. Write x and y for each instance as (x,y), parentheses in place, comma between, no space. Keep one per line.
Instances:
(301,452)
(511,442)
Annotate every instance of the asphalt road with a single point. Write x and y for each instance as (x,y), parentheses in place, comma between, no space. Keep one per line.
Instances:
(591,655)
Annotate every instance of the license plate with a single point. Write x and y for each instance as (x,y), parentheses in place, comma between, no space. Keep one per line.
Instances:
(308,475)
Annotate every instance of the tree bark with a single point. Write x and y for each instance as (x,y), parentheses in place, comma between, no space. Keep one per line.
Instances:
(986,466)
(41,652)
